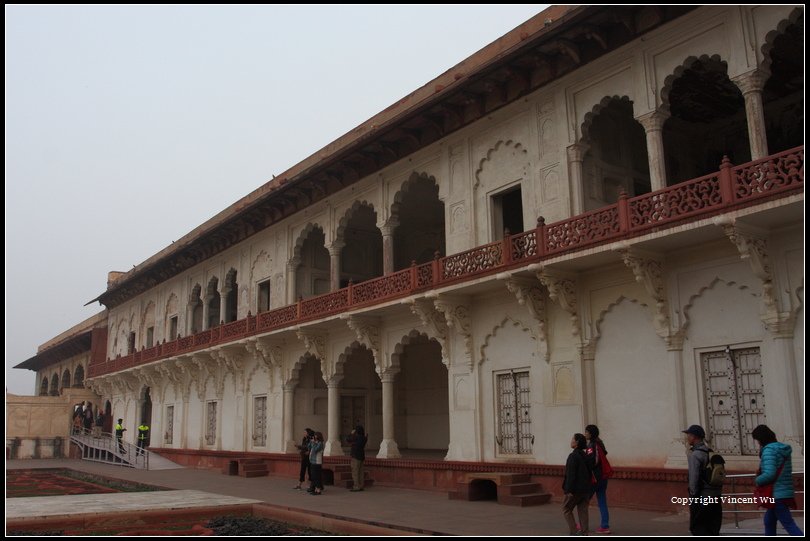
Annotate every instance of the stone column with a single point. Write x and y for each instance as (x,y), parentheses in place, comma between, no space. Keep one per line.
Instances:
(677,447)
(387,231)
(206,311)
(292,284)
(334,264)
(289,414)
(587,354)
(333,446)
(576,155)
(751,85)
(223,304)
(653,124)
(780,378)
(184,423)
(388,446)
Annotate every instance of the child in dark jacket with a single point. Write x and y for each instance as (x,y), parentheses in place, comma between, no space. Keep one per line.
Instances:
(577,486)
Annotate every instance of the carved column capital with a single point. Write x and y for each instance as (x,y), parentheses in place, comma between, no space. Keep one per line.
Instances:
(336,247)
(577,151)
(752,81)
(654,120)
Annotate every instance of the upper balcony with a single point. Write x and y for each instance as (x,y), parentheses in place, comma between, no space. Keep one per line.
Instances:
(731,188)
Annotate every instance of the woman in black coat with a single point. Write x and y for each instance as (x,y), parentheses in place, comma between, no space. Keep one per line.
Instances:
(577,486)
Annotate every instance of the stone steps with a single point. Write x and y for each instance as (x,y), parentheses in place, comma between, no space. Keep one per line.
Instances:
(514,489)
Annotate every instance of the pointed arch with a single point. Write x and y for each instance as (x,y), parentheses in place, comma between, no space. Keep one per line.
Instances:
(302,238)
(343,223)
(597,326)
(506,321)
(65,379)
(616,160)
(795,16)
(707,119)
(417,222)
(783,93)
(78,376)
(231,290)
(482,164)
(712,285)
(361,244)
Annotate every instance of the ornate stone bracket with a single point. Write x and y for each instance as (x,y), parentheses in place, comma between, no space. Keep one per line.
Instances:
(434,321)
(649,272)
(754,248)
(457,315)
(232,360)
(529,293)
(315,344)
(206,366)
(562,289)
(367,330)
(125,383)
(171,375)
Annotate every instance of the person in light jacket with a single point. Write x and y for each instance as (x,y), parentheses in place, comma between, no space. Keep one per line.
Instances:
(316,464)
(773,456)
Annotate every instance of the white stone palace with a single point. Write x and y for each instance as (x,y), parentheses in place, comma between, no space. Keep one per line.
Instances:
(597,218)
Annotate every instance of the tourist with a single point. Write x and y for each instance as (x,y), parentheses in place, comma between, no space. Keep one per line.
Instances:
(358,440)
(143,438)
(577,486)
(303,450)
(775,469)
(706,513)
(119,436)
(87,420)
(77,424)
(316,464)
(597,455)
(99,423)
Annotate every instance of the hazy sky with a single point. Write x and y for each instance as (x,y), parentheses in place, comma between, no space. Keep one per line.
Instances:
(126,127)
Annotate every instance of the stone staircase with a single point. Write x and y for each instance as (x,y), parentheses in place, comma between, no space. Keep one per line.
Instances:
(507,488)
(341,475)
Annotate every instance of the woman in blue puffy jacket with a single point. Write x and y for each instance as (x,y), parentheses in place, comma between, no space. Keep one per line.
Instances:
(773,456)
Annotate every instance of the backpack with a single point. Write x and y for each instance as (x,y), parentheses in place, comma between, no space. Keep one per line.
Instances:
(714,473)
(607,469)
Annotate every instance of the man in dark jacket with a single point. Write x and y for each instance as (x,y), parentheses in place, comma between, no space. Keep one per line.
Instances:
(705,511)
(358,440)
(577,486)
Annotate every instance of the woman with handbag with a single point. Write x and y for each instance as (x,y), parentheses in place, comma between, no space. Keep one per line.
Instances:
(774,482)
(602,471)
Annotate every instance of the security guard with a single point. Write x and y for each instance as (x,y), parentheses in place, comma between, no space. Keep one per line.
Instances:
(119,435)
(143,437)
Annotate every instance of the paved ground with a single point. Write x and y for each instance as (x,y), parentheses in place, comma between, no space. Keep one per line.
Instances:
(430,511)
(49,506)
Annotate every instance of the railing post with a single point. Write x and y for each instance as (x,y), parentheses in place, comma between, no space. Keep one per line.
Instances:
(414,277)
(351,292)
(726,189)
(506,250)
(541,237)
(298,307)
(436,276)
(624,213)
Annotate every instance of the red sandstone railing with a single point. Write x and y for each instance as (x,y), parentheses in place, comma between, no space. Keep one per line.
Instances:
(731,187)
